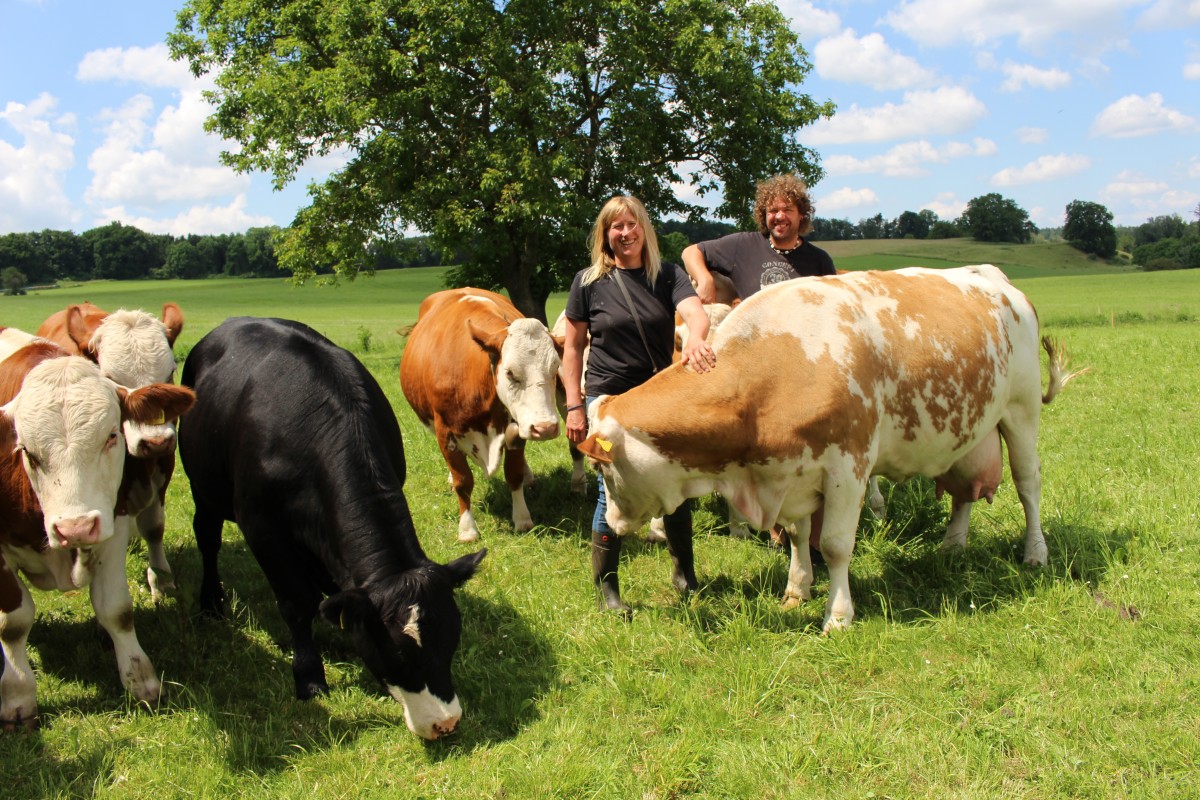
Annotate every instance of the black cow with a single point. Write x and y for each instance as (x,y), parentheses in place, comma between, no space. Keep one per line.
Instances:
(294,440)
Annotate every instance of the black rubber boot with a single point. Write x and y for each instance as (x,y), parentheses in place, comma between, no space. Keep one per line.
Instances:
(679,544)
(606,555)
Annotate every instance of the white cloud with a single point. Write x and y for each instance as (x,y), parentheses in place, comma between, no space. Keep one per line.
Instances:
(1192,71)
(947,206)
(808,21)
(945,111)
(201,219)
(149,66)
(1026,135)
(907,160)
(841,199)
(868,61)
(1134,115)
(1018,76)
(1171,14)
(1193,167)
(1046,168)
(1034,23)
(32,174)
(1128,184)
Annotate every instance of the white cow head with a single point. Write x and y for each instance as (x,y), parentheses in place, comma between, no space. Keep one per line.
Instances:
(639,481)
(526,361)
(134,349)
(66,423)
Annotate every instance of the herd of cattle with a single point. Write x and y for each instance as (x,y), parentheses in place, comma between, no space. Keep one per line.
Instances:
(821,385)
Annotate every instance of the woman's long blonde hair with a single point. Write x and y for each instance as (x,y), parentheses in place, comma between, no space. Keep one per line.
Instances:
(602,255)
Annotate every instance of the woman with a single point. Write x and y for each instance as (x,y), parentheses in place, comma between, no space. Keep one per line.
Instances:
(627,276)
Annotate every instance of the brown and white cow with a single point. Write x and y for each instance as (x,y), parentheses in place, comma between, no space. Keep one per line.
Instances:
(821,383)
(134,349)
(482,376)
(61,459)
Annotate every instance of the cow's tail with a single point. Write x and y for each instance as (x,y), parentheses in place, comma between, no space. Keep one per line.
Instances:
(1059,377)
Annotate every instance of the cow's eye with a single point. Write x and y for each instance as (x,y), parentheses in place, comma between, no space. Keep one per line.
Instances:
(112,439)
(30,457)
(512,376)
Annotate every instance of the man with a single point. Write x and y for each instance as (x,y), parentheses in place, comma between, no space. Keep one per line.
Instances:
(777,252)
(754,260)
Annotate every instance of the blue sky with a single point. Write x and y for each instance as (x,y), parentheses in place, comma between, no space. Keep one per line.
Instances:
(939,101)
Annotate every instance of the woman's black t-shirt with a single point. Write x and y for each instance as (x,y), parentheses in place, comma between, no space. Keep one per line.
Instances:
(618,360)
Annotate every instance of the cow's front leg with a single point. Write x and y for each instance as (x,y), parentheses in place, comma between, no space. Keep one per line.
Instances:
(960,522)
(800,570)
(151,523)
(515,469)
(18,689)
(837,543)
(114,611)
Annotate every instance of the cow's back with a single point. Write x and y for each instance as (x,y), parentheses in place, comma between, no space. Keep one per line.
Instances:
(443,370)
(280,410)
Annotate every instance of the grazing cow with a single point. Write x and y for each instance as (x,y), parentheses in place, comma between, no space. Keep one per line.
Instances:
(133,349)
(294,440)
(61,458)
(822,383)
(482,376)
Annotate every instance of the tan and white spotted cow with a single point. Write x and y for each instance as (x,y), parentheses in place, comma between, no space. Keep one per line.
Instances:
(821,383)
(482,376)
(133,348)
(61,459)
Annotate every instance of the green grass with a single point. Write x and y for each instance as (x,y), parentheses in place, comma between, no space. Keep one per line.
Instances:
(964,675)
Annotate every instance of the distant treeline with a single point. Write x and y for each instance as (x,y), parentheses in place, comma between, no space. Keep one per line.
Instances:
(123,252)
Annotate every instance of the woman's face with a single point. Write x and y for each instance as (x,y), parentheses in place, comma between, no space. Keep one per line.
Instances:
(625,240)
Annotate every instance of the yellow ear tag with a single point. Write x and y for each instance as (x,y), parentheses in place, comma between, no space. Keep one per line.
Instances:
(161,420)
(605,444)
(342,620)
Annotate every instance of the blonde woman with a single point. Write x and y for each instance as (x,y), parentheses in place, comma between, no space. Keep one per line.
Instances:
(626,303)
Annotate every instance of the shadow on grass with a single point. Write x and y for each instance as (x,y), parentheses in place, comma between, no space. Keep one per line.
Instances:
(899,569)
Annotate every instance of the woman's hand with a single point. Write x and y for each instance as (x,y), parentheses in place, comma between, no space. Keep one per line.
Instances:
(577,425)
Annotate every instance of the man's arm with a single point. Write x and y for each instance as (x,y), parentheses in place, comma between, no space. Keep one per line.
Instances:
(697,269)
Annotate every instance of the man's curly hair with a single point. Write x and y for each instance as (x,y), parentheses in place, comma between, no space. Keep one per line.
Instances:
(787,187)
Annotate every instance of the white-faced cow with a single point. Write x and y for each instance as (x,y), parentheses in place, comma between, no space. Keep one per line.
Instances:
(294,440)
(821,383)
(61,459)
(482,376)
(134,349)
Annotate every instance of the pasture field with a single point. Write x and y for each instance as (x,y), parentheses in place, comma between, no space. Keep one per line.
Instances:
(965,675)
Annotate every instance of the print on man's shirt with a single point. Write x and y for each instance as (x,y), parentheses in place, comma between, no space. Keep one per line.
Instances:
(775,272)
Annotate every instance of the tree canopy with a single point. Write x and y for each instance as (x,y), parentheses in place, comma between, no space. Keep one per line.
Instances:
(500,128)
(1089,229)
(994,218)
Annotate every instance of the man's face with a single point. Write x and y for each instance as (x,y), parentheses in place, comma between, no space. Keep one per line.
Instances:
(783,222)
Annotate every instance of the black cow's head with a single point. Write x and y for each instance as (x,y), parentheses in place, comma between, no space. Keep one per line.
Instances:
(406,631)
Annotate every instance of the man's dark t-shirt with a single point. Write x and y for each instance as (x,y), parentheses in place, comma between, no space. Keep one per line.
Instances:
(749,261)
(618,360)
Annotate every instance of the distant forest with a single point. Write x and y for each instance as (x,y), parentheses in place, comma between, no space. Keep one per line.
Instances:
(123,252)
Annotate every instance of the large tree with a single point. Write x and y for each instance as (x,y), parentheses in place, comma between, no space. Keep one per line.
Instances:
(1088,227)
(993,218)
(500,127)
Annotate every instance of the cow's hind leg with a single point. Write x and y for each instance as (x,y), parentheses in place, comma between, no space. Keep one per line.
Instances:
(1020,431)
(800,571)
(461,478)
(114,611)
(206,526)
(18,689)
(515,469)
(151,524)
(677,528)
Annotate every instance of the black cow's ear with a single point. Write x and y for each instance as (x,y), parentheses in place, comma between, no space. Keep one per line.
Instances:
(461,569)
(345,609)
